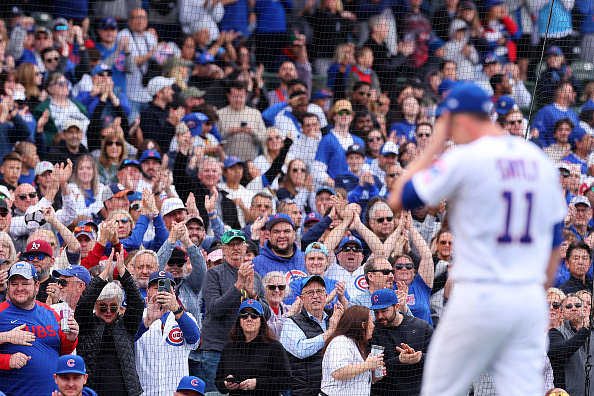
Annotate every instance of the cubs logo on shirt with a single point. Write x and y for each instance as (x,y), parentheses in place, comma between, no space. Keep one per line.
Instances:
(175,337)
(410,300)
(361,283)
(294,275)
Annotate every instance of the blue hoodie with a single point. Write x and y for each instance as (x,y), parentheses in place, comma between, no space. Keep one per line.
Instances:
(268,261)
(89,392)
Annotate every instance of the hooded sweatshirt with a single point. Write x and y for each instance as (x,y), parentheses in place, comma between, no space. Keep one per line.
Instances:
(293,267)
(453,51)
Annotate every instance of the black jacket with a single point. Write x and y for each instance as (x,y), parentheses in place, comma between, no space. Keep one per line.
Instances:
(60,153)
(154,125)
(124,330)
(401,379)
(574,285)
(267,363)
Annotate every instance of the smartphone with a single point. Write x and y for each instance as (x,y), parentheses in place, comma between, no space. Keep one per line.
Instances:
(165,285)
(232,380)
(243,124)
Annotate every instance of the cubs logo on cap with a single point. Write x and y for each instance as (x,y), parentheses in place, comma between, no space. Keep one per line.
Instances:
(383,298)
(161,275)
(71,364)
(255,305)
(191,383)
(279,218)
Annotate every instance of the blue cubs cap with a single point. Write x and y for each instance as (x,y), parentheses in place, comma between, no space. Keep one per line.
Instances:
(311,278)
(279,218)
(383,298)
(194,121)
(577,134)
(108,23)
(468,98)
(71,364)
(161,275)
(150,154)
(321,94)
(313,216)
(316,247)
(191,383)
(554,50)
(101,69)
(327,189)
(135,196)
(74,270)
(504,104)
(231,161)
(128,162)
(356,149)
(24,269)
(435,43)
(490,58)
(350,239)
(389,148)
(589,105)
(205,58)
(492,3)
(251,304)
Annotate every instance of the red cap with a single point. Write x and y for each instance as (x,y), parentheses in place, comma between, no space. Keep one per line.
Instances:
(39,246)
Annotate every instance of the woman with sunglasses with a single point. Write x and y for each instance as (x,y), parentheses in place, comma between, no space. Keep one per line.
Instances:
(253,362)
(375,141)
(113,152)
(297,185)
(106,337)
(85,186)
(276,291)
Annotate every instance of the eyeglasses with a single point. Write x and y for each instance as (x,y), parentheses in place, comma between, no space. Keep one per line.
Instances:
(176,264)
(364,93)
(424,135)
(112,308)
(271,138)
(446,243)
(251,315)
(377,139)
(274,287)
(112,142)
(381,219)
(399,267)
(123,221)
(85,229)
(343,112)
(23,197)
(235,246)
(61,83)
(135,206)
(353,249)
(64,282)
(311,293)
(48,60)
(565,173)
(385,271)
(555,305)
(570,305)
(514,122)
(31,257)
(302,170)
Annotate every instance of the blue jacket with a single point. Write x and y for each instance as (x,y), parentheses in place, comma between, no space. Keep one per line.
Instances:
(586,9)
(91,102)
(362,195)
(404,128)
(72,9)
(268,261)
(236,18)
(331,153)
(134,241)
(271,15)
(12,132)
(546,118)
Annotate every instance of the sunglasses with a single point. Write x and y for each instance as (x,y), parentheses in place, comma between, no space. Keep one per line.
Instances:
(274,287)
(385,271)
(271,138)
(61,83)
(556,305)
(4,213)
(128,161)
(251,315)
(565,173)
(570,305)
(112,308)
(377,139)
(353,249)
(424,135)
(177,264)
(23,197)
(391,174)
(446,242)
(112,142)
(31,257)
(302,170)
(343,112)
(48,60)
(364,93)
(63,282)
(85,229)
(399,267)
(381,219)
(514,122)
(123,221)
(61,27)
(135,206)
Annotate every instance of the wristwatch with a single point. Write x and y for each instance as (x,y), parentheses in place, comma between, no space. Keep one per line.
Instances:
(179,310)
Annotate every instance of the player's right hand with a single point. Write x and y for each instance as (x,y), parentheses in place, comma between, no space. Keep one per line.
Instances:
(18,360)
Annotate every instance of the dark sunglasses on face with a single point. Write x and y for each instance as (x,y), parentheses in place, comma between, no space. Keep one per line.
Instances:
(112,142)
(48,60)
(127,161)
(302,170)
(135,206)
(123,221)
(385,271)
(446,242)
(565,173)
(271,138)
(399,267)
(85,229)
(353,249)
(61,83)
(377,139)
(424,135)
(31,257)
(251,315)
(391,174)
(112,308)
(570,305)
(343,112)
(556,305)
(274,287)
(62,282)
(176,264)
(514,122)
(381,219)
(4,213)
(23,197)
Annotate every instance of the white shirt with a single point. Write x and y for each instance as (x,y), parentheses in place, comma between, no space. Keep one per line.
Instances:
(243,193)
(341,352)
(355,282)
(504,199)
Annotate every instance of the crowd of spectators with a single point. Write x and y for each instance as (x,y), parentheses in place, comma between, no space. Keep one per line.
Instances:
(199,188)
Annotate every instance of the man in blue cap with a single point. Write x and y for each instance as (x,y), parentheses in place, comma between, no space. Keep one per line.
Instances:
(72,283)
(405,340)
(581,147)
(347,267)
(71,377)
(150,165)
(85,233)
(508,227)
(190,386)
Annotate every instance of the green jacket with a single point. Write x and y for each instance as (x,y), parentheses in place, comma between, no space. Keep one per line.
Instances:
(50,128)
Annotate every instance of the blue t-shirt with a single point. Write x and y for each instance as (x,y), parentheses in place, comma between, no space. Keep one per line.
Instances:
(418,299)
(404,128)
(118,69)
(236,18)
(29,179)
(89,199)
(331,153)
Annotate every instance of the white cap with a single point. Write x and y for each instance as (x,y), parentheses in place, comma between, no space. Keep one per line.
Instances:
(18,95)
(43,167)
(72,122)
(158,83)
(171,204)
(4,190)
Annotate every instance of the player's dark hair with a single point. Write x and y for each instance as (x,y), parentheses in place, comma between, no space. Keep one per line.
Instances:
(237,336)
(563,121)
(439,234)
(576,246)
(12,156)
(350,326)
(46,50)
(310,115)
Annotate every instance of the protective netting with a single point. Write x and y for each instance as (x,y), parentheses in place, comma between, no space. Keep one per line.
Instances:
(138,137)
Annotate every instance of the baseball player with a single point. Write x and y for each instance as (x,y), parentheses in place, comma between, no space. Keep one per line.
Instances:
(506,210)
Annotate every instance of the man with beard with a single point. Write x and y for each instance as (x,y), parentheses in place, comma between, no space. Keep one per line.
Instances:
(150,166)
(290,120)
(35,341)
(39,254)
(363,123)
(405,340)
(286,73)
(280,252)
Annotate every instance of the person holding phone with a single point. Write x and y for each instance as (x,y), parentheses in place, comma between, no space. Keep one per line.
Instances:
(167,334)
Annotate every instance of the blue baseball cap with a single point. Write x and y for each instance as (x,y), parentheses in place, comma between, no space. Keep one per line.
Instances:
(307,279)
(350,239)
(492,3)
(205,58)
(100,69)
(71,364)
(504,104)
(435,43)
(327,189)
(108,23)
(445,85)
(161,275)
(24,269)
(74,270)
(468,98)
(383,298)
(577,134)
(554,50)
(251,304)
(320,248)
(150,154)
(589,105)
(321,94)
(128,162)
(313,216)
(135,196)
(194,121)
(490,58)
(191,383)
(279,218)
(231,161)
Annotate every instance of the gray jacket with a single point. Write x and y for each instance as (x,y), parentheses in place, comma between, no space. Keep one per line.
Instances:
(222,301)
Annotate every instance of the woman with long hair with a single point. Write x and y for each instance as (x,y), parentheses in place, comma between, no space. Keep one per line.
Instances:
(346,367)
(253,362)
(375,141)
(271,150)
(85,186)
(31,78)
(113,152)
(297,185)
(342,62)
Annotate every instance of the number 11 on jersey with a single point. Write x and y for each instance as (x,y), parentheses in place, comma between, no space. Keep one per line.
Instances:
(506,237)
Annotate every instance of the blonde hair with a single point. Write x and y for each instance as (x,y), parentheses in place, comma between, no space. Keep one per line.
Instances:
(125,213)
(4,237)
(558,292)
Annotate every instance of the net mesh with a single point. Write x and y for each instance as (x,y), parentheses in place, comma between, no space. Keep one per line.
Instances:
(149,130)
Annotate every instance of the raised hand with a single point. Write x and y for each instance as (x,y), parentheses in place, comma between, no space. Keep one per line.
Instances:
(120,261)
(296,306)
(210,202)
(108,270)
